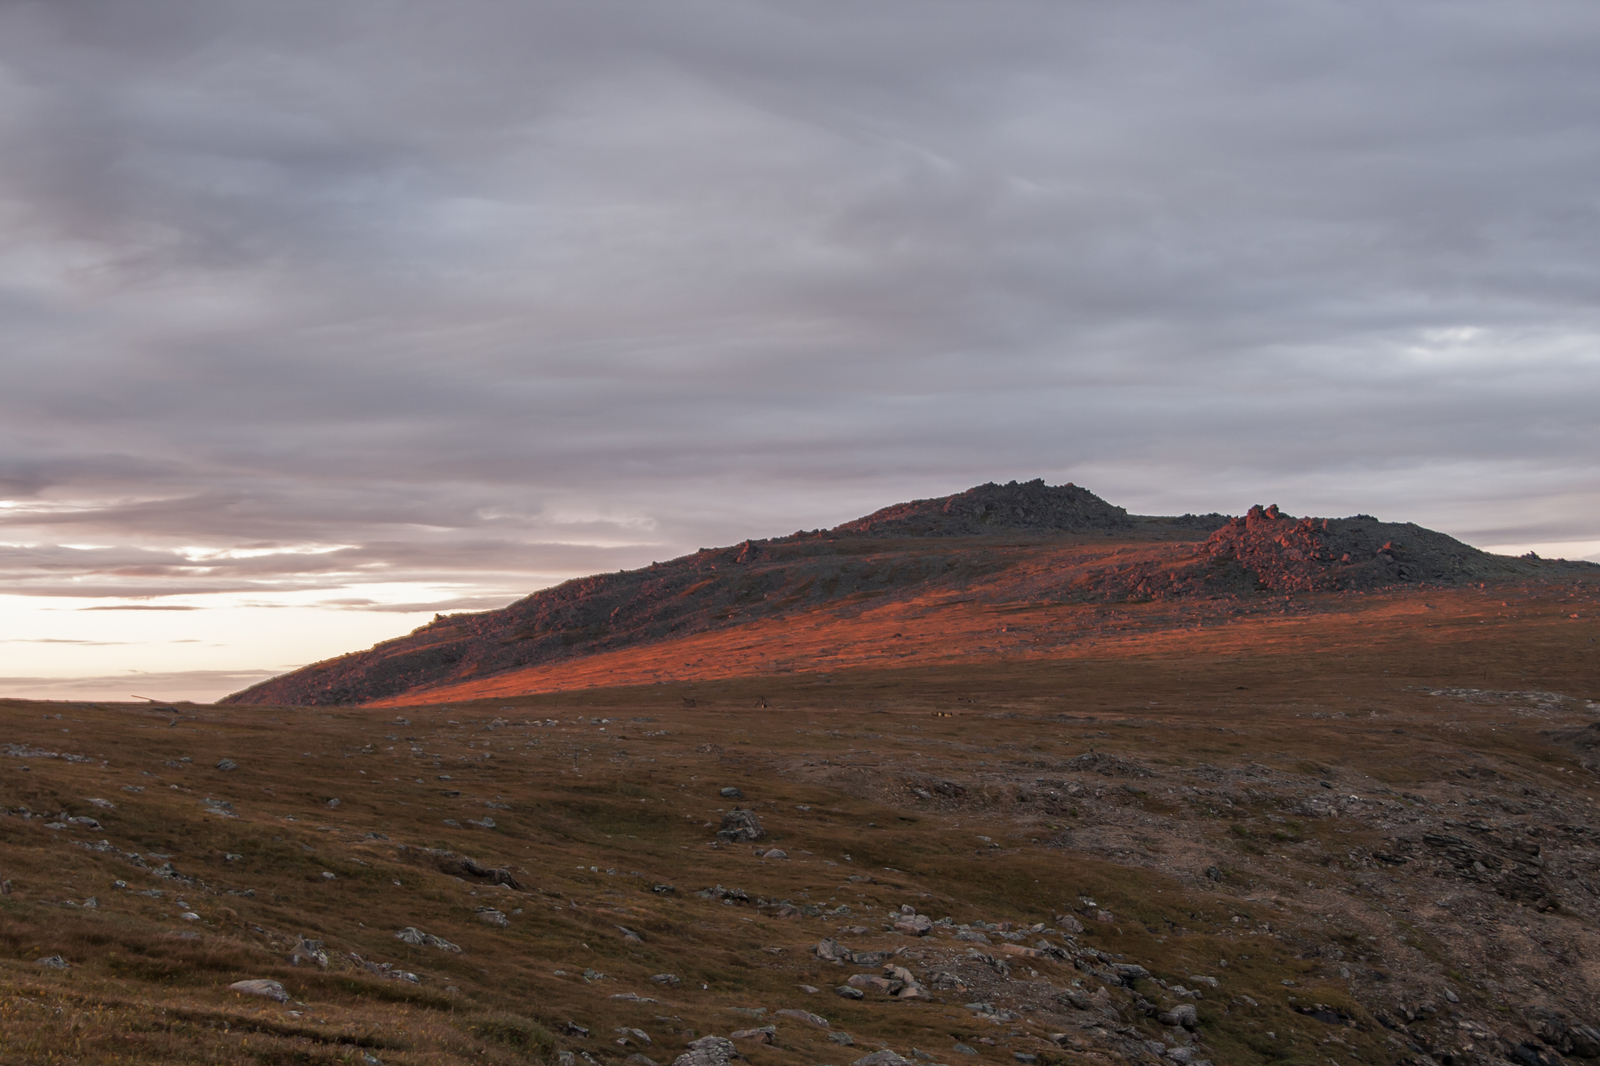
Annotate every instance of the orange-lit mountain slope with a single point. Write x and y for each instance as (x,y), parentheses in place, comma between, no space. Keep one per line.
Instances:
(1016,569)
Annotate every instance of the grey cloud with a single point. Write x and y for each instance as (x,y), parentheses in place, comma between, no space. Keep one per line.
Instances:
(536,289)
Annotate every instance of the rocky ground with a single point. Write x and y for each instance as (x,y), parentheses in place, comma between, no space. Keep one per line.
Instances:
(1347,829)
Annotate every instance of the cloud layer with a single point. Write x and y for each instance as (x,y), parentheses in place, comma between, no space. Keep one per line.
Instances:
(315,297)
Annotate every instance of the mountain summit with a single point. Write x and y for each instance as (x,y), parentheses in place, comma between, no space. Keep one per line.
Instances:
(916,568)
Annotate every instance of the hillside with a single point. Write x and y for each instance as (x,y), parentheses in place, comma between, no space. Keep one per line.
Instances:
(1356,827)
(1023,544)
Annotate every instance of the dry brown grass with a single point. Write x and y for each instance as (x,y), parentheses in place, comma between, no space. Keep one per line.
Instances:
(590,816)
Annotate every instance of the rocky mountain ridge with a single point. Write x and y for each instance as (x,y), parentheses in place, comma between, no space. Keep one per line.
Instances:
(991,537)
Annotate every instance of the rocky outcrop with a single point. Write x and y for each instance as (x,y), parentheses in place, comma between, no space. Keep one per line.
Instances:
(945,545)
(992,508)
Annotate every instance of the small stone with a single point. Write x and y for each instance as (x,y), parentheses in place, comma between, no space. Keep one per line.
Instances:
(731,793)
(669,979)
(1025,1058)
(637,1059)
(629,935)
(775,853)
(52,962)
(830,950)
(764,1035)
(416,937)
(329,875)
(490,916)
(966,1049)
(847,992)
(842,1039)
(261,987)
(882,1058)
(189,916)
(810,989)
(816,1021)
(1183,1014)
(332,804)
(227,764)
(868,982)
(1069,924)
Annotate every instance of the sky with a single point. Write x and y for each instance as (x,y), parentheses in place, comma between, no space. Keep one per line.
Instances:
(317,319)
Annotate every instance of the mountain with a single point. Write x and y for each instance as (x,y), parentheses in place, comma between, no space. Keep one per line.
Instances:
(1013,545)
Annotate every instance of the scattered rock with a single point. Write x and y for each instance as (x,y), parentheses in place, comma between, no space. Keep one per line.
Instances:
(767,1034)
(332,805)
(849,992)
(740,826)
(810,989)
(775,853)
(737,895)
(52,962)
(490,916)
(669,979)
(261,987)
(227,764)
(815,1020)
(636,1059)
(629,935)
(842,1039)
(731,793)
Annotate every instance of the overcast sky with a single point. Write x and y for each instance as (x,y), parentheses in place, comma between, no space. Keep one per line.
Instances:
(318,318)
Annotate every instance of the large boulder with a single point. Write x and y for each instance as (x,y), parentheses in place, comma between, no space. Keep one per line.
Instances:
(707,1051)
(260,986)
(740,826)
